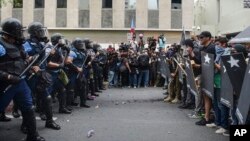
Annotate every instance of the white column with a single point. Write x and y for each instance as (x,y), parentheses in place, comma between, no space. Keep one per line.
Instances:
(28,12)
(187,13)
(95,13)
(50,13)
(165,14)
(118,13)
(72,13)
(6,10)
(141,13)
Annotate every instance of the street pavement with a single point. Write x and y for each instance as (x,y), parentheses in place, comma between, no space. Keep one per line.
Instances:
(121,115)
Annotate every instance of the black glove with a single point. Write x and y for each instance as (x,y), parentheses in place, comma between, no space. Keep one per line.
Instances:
(13,79)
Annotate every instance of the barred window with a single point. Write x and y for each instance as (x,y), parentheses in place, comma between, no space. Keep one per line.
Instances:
(61,3)
(17,3)
(176,4)
(39,3)
(106,3)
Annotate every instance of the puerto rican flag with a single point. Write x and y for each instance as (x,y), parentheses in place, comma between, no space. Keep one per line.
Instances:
(132,28)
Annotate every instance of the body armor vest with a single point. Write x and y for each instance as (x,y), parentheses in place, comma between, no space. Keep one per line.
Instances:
(12,62)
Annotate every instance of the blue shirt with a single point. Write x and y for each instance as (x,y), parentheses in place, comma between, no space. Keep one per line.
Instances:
(2,50)
(72,54)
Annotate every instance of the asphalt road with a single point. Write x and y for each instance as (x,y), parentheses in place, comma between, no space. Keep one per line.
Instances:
(121,115)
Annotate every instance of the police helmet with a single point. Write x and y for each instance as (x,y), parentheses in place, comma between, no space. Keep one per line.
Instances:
(55,38)
(79,44)
(37,30)
(88,43)
(13,28)
(96,47)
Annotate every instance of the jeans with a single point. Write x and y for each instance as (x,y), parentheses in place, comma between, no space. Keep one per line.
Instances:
(143,75)
(224,115)
(21,93)
(133,79)
(111,77)
(217,111)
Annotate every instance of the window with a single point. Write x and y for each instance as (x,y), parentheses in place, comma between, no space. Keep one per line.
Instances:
(61,3)
(83,4)
(130,4)
(17,3)
(176,4)
(39,3)
(106,3)
(246,3)
(153,4)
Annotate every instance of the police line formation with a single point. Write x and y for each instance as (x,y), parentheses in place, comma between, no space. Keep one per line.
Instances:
(205,74)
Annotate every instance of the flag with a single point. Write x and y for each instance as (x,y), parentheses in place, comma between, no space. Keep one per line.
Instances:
(164,67)
(183,36)
(244,102)
(207,76)
(226,88)
(132,28)
(236,66)
(190,77)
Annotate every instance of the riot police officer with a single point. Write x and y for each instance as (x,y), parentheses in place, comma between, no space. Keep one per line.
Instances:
(76,64)
(55,68)
(39,83)
(12,64)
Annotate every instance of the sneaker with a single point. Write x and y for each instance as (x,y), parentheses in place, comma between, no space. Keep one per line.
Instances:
(194,116)
(227,133)
(129,87)
(220,131)
(211,125)
(134,87)
(202,122)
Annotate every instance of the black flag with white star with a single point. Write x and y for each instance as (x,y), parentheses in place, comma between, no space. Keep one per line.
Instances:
(226,88)
(236,66)
(190,77)
(244,100)
(207,76)
(164,67)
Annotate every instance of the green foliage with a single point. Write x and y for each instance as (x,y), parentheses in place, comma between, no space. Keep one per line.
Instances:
(16,3)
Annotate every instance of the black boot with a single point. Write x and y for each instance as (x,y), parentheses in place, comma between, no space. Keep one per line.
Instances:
(15,112)
(3,117)
(24,128)
(62,103)
(83,93)
(29,118)
(47,104)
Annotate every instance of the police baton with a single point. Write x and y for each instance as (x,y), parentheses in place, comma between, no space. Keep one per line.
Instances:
(44,59)
(78,75)
(24,71)
(179,65)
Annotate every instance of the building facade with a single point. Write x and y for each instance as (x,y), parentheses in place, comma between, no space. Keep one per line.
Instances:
(221,17)
(105,20)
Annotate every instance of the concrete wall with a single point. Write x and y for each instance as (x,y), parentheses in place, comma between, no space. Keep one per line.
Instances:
(107,18)
(129,14)
(39,15)
(176,19)
(118,13)
(61,17)
(153,18)
(17,13)
(84,18)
